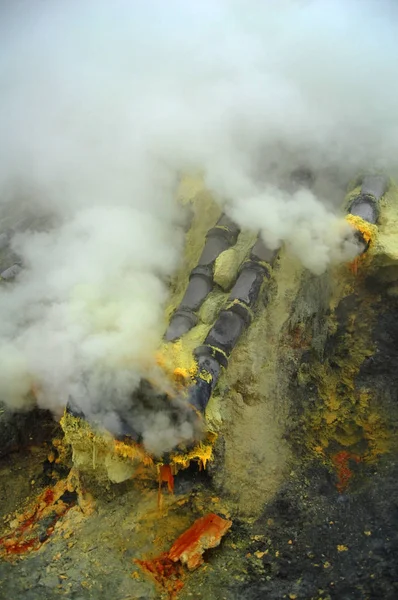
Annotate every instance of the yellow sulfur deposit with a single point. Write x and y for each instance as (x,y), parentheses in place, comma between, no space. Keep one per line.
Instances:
(368,230)
(202,454)
(178,362)
(249,411)
(347,416)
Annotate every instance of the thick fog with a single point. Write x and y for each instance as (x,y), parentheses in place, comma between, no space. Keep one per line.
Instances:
(104,104)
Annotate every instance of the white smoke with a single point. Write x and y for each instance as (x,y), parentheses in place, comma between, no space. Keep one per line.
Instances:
(102,104)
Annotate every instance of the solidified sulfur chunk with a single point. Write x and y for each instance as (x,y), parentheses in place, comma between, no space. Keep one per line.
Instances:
(205,533)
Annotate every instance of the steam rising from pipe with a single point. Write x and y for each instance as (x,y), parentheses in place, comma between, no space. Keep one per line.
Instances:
(103,104)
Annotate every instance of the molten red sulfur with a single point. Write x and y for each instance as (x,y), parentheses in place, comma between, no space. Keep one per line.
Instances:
(166,475)
(205,533)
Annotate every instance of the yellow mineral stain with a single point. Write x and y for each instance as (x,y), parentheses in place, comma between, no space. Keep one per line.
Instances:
(202,453)
(345,415)
(133,451)
(367,230)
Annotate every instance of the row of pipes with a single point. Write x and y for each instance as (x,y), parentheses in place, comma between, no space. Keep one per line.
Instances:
(222,338)
(254,276)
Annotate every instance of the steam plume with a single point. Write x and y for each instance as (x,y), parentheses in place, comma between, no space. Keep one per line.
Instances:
(103,104)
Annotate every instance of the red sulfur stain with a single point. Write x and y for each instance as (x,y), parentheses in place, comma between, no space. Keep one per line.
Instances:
(48,497)
(27,536)
(20,547)
(165,475)
(341,462)
(167,574)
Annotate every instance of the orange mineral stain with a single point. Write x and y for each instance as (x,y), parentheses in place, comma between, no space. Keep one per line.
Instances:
(167,574)
(27,535)
(354,266)
(205,533)
(188,549)
(165,476)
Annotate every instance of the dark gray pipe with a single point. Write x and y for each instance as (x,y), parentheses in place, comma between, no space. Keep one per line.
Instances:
(375,185)
(243,297)
(366,204)
(219,238)
(11,272)
(230,324)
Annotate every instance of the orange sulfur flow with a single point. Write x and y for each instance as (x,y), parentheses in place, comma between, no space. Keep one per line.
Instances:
(165,476)
(187,550)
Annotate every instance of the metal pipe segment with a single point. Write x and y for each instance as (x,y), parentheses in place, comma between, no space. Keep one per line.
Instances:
(230,324)
(219,238)
(366,204)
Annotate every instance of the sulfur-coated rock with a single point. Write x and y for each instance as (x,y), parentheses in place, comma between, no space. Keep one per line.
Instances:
(226,269)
